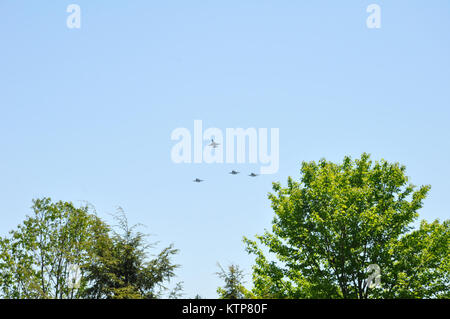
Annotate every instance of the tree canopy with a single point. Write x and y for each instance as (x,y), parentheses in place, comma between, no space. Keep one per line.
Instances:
(338,220)
(343,230)
(233,287)
(36,259)
(120,268)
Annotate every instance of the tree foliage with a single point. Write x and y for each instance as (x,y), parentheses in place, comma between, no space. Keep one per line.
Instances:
(233,283)
(121,268)
(35,259)
(341,218)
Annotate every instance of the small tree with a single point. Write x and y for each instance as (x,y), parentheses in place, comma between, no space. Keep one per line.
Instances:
(340,219)
(233,288)
(121,269)
(35,259)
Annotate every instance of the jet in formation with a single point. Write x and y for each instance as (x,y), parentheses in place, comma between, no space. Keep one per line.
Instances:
(214,144)
(233,172)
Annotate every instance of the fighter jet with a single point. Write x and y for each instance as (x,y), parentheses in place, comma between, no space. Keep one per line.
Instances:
(233,172)
(253,175)
(213,144)
(197,180)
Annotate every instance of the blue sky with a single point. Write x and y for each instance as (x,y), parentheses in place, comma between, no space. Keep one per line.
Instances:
(86,114)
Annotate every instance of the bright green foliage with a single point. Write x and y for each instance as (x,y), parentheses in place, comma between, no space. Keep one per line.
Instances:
(34,259)
(341,218)
(233,288)
(420,267)
(120,268)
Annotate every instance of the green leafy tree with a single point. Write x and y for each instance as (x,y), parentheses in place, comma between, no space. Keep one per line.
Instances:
(233,279)
(420,267)
(340,219)
(36,258)
(120,268)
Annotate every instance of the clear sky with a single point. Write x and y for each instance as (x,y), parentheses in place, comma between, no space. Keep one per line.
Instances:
(86,114)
